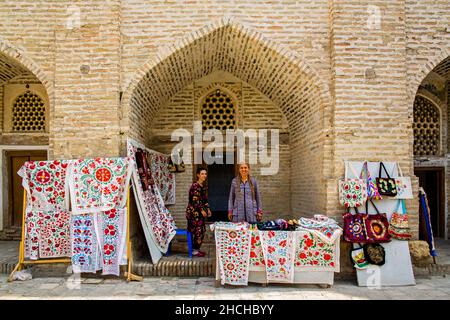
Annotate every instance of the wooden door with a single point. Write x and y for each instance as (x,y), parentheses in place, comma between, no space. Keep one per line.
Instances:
(15,161)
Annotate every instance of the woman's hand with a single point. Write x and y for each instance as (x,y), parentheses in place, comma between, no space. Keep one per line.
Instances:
(209,213)
(204,214)
(230,215)
(259,215)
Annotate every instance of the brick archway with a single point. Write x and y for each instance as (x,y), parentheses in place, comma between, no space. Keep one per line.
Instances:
(279,74)
(13,54)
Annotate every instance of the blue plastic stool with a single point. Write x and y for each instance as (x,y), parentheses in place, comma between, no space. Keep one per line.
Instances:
(183,232)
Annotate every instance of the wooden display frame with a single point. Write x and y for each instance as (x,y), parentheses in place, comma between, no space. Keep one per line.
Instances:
(22,262)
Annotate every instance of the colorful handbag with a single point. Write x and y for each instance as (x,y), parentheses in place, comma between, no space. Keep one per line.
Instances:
(399,224)
(386,186)
(403,184)
(358,258)
(372,190)
(354,227)
(352,192)
(374,253)
(377,226)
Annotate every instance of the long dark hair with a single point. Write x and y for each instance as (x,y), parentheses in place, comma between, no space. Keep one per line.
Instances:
(239,180)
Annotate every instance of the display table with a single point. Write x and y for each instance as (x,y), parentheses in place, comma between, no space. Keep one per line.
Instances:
(296,257)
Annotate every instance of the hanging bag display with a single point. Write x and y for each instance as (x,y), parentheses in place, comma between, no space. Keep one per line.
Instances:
(352,192)
(386,186)
(377,226)
(372,189)
(399,224)
(374,253)
(354,227)
(403,184)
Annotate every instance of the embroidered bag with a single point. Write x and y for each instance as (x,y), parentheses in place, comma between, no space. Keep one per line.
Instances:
(354,227)
(358,258)
(403,184)
(377,226)
(352,192)
(386,186)
(399,224)
(374,253)
(372,190)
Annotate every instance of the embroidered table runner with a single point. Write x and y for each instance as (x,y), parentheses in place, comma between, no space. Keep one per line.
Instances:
(257,262)
(278,249)
(47,221)
(233,252)
(85,248)
(314,254)
(111,232)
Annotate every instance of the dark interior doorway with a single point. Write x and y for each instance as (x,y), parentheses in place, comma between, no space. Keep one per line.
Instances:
(432,180)
(219,182)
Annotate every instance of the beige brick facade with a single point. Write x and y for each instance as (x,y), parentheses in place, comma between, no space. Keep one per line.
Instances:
(338,78)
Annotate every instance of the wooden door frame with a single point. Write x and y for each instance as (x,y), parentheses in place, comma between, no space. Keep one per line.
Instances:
(441,196)
(4,177)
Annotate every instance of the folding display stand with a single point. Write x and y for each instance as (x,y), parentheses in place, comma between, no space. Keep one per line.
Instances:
(22,262)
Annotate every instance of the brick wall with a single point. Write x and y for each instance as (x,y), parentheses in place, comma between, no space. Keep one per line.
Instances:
(255,111)
(345,89)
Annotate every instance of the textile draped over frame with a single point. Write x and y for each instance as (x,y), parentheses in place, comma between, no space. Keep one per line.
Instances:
(99,188)
(99,184)
(163,179)
(47,218)
(158,224)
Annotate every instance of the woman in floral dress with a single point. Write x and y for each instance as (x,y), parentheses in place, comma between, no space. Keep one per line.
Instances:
(197,211)
(244,203)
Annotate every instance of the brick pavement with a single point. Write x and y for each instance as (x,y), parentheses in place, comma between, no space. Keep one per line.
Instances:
(176,288)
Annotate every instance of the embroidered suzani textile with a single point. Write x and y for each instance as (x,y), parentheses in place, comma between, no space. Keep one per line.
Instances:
(158,223)
(99,184)
(47,220)
(163,179)
(85,247)
(278,249)
(233,252)
(314,254)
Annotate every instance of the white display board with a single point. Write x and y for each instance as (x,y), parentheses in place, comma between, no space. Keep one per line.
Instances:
(397,271)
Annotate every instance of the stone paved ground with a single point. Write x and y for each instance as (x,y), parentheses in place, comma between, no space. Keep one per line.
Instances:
(173,288)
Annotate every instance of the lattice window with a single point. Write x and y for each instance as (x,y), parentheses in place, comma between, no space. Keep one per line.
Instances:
(218,111)
(426,128)
(28,113)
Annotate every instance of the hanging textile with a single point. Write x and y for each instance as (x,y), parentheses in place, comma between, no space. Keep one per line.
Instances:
(54,234)
(314,254)
(427,219)
(47,220)
(257,262)
(233,252)
(46,185)
(159,226)
(85,246)
(279,250)
(163,179)
(111,231)
(32,228)
(99,184)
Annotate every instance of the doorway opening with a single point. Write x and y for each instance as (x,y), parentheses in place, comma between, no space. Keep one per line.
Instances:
(14,161)
(432,180)
(218,185)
